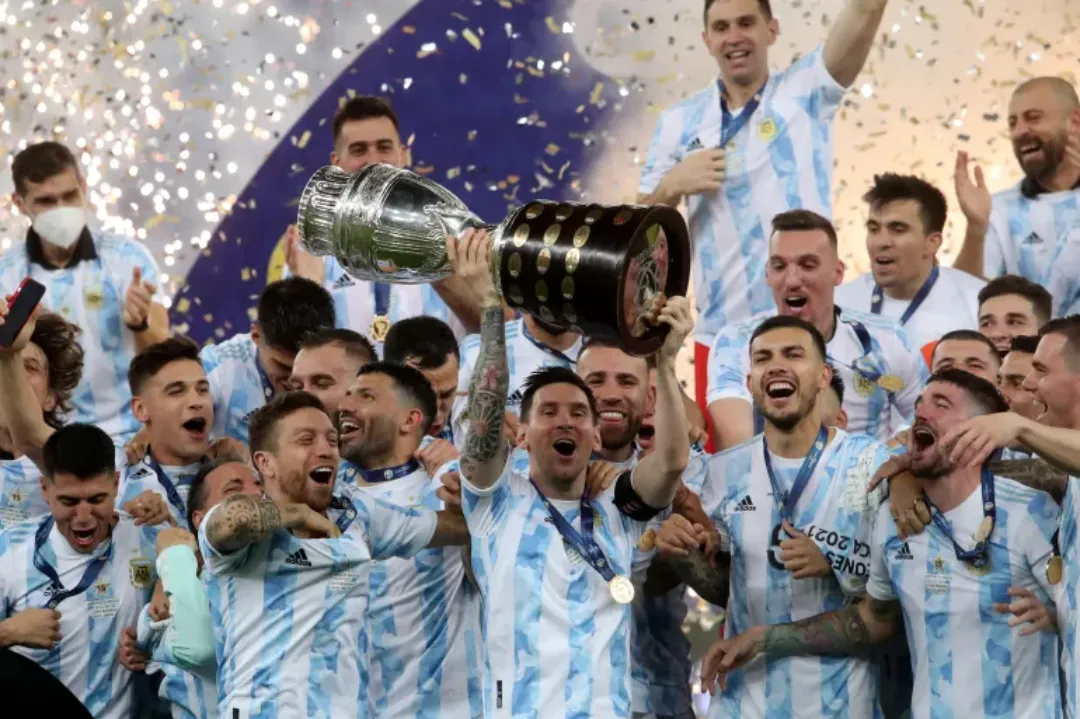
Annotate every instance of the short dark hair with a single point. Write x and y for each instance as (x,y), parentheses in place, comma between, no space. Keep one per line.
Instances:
(966,336)
(145,365)
(262,427)
(836,383)
(427,340)
(58,340)
(784,321)
(411,384)
(39,162)
(197,492)
(985,395)
(1068,326)
(890,187)
(291,309)
(81,450)
(589,343)
(1024,344)
(764,5)
(356,345)
(552,375)
(362,107)
(804,220)
(1042,304)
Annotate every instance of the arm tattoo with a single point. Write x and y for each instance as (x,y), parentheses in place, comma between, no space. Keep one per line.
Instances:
(242,520)
(839,633)
(711,584)
(488,389)
(1035,473)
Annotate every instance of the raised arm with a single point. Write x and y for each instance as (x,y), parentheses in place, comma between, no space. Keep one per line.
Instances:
(686,548)
(19,406)
(851,38)
(657,476)
(241,520)
(191,642)
(484,454)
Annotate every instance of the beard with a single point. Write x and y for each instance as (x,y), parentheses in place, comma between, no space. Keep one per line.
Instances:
(1053,155)
(377,443)
(789,419)
(933,467)
(615,439)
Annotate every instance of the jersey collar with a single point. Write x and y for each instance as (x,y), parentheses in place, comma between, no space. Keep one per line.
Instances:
(84,250)
(1031,189)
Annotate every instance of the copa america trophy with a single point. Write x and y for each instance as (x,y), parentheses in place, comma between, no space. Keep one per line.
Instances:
(592,269)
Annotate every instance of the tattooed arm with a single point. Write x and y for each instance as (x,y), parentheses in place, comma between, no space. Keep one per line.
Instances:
(241,520)
(685,547)
(1034,473)
(484,454)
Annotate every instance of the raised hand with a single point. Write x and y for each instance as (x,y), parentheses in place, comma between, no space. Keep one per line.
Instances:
(435,455)
(470,256)
(699,172)
(148,508)
(300,262)
(23,338)
(138,300)
(973,195)
(802,556)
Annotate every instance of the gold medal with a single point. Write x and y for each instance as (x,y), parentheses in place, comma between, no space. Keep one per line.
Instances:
(983,532)
(1053,569)
(380,326)
(980,571)
(648,541)
(622,590)
(891,383)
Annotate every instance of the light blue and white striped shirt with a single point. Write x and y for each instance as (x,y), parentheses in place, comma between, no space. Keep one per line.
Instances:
(288,613)
(780,160)
(1067,596)
(237,384)
(137,478)
(836,512)
(90,294)
(92,623)
(524,355)
(423,621)
(557,642)
(967,661)
(1026,235)
(869,406)
(21,498)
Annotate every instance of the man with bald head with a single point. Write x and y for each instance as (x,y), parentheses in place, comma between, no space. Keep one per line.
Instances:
(1022,230)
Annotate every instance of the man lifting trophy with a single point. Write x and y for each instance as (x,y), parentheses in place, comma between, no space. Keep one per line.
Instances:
(594,269)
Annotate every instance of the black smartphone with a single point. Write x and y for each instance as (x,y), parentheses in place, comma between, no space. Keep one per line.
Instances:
(21,305)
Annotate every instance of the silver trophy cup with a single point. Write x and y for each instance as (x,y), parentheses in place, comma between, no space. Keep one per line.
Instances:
(590,268)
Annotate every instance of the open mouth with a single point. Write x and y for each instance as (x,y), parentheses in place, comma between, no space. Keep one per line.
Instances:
(923,437)
(795,302)
(83,537)
(195,425)
(565,447)
(779,388)
(646,432)
(1028,148)
(347,424)
(322,475)
(612,416)
(737,55)
(884,261)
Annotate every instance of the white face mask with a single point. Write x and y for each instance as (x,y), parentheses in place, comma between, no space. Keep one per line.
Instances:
(61,226)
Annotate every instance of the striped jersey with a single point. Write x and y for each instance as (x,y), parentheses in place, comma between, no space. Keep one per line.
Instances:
(138,478)
(86,659)
(967,661)
(423,622)
(1067,596)
(1026,234)
(952,304)
(868,404)
(288,613)
(524,355)
(355,304)
(780,160)
(1063,277)
(21,498)
(90,294)
(836,512)
(237,384)
(659,648)
(557,643)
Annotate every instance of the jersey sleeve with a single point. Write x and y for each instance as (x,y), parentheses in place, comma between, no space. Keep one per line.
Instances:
(997,247)
(879,585)
(851,559)
(486,509)
(191,641)
(664,150)
(729,364)
(697,469)
(906,362)
(217,562)
(392,530)
(809,77)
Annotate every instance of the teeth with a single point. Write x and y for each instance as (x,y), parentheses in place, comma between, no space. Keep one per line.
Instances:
(349,427)
(612,414)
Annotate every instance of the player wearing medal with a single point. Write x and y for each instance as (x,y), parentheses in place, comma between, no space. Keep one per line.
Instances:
(327,364)
(366,132)
(881,369)
(968,583)
(287,606)
(553,565)
(906,282)
(71,582)
(42,366)
(793,508)
(246,370)
(423,622)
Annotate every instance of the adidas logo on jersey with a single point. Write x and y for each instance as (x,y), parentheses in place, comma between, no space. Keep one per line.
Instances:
(745,505)
(695,144)
(343,282)
(514,400)
(299,558)
(141,472)
(1033,239)
(904,552)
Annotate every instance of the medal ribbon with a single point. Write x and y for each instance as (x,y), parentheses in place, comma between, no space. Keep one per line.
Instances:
(977,555)
(544,347)
(170,489)
(730,125)
(381,293)
(583,542)
(916,301)
(374,476)
(59,593)
(264,380)
(806,471)
(860,366)
(348,512)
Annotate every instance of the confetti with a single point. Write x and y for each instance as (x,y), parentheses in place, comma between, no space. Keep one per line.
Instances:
(471,38)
